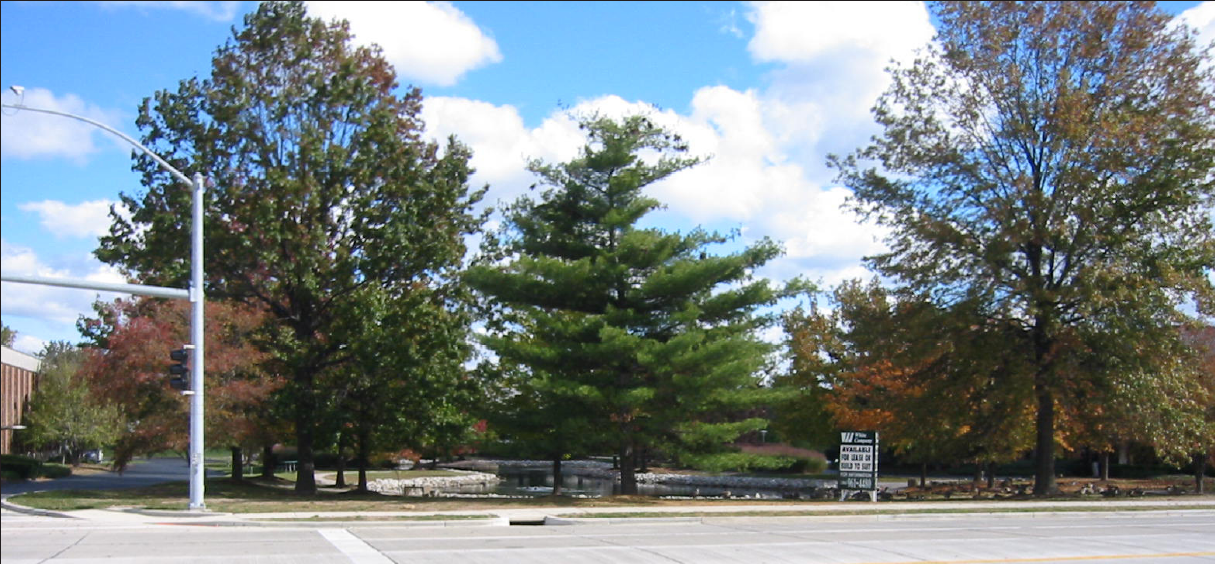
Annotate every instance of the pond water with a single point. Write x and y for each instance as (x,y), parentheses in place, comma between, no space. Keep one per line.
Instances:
(536,481)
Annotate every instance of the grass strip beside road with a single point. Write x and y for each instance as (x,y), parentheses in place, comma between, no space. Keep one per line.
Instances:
(257,496)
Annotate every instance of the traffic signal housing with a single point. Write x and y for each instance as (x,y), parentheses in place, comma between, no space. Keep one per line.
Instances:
(179,371)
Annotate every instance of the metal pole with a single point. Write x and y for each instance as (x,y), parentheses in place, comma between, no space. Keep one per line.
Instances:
(137,289)
(163,164)
(195,295)
(197,302)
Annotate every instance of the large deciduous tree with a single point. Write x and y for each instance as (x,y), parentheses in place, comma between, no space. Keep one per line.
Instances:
(651,338)
(1053,162)
(321,187)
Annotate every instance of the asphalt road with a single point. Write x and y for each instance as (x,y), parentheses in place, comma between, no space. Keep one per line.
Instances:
(1174,537)
(138,474)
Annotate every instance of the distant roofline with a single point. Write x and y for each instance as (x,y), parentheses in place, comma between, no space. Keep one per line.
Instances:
(20,360)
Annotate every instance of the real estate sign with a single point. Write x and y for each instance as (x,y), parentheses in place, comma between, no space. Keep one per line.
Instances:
(858,460)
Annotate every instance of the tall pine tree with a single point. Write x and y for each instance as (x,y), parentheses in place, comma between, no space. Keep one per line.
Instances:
(650,339)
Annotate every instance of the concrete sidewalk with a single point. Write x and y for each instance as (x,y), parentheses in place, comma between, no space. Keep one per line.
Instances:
(582,515)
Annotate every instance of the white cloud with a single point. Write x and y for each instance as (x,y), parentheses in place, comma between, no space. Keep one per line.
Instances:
(747,181)
(28,344)
(28,135)
(1201,17)
(501,143)
(430,42)
(57,308)
(216,11)
(86,219)
(767,173)
(834,56)
(802,32)
(729,24)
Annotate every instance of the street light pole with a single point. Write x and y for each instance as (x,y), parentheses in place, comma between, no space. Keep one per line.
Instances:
(194,294)
(197,468)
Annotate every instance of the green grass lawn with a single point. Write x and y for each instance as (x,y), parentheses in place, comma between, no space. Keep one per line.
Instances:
(256,496)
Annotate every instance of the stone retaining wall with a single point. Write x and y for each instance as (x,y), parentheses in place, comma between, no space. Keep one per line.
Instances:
(431,484)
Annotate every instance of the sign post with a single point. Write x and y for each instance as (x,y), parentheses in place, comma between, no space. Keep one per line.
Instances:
(858,463)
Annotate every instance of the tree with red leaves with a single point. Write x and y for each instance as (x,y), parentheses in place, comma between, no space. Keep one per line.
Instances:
(127,366)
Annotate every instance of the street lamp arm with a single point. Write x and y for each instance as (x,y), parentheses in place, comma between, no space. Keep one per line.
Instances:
(124,137)
(194,295)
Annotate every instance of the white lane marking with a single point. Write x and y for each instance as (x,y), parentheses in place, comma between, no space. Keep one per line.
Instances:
(353,547)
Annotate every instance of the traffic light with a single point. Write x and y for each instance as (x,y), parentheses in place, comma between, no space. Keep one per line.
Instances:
(180,379)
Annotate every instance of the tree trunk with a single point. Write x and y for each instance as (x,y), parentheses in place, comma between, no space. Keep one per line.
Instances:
(1044,450)
(1105,466)
(268,462)
(978,479)
(923,474)
(238,466)
(305,423)
(340,480)
(1200,471)
(363,437)
(991,475)
(557,475)
(628,463)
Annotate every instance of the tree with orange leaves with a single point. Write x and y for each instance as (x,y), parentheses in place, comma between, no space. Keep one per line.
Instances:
(1202,342)
(127,367)
(922,376)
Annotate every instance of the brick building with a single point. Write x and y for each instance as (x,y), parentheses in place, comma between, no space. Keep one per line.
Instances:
(16,384)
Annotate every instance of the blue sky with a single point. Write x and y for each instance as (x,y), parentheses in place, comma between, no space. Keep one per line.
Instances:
(766,89)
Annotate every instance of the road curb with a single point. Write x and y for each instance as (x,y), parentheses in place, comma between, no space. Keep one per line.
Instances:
(492,521)
(10,506)
(708,519)
(563,521)
(172,513)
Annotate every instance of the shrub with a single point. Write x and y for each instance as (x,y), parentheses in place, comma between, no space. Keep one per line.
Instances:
(53,470)
(17,467)
(20,467)
(749,460)
(796,460)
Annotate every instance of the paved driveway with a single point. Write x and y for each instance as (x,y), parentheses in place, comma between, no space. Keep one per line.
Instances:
(140,473)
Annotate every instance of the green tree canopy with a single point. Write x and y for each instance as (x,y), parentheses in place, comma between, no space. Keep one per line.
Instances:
(641,333)
(321,187)
(64,414)
(1052,162)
